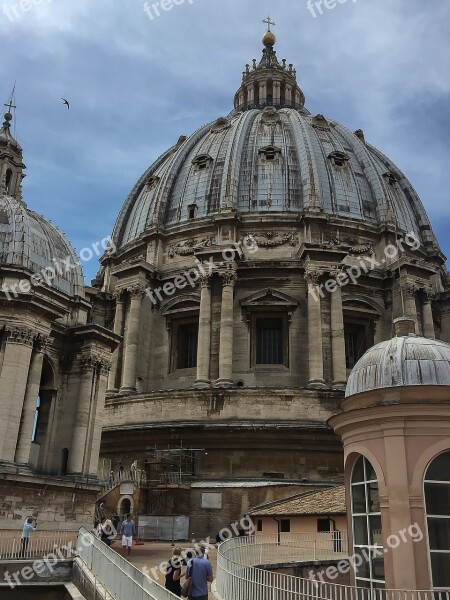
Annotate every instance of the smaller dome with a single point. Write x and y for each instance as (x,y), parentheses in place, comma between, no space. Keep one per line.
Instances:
(28,240)
(269,39)
(402,361)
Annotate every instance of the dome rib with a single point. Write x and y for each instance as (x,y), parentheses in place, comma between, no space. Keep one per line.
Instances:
(300,177)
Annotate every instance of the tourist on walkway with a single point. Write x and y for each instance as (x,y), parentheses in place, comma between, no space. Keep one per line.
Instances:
(133,470)
(120,471)
(111,478)
(173,573)
(107,532)
(200,571)
(128,529)
(29,526)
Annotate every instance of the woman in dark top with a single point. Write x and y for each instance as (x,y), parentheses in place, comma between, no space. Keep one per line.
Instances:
(173,573)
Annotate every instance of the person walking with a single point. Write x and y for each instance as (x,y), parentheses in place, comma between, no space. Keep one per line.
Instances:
(120,471)
(29,526)
(107,532)
(128,529)
(200,572)
(173,573)
(111,478)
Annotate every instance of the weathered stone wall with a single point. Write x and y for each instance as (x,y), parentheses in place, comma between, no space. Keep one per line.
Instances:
(56,505)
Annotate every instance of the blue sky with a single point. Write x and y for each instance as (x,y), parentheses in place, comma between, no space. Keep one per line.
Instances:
(136,84)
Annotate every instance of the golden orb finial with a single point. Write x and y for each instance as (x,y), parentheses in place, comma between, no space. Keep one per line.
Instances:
(269,38)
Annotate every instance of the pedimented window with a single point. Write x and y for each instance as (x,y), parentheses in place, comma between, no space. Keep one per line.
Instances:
(202,162)
(339,159)
(270,153)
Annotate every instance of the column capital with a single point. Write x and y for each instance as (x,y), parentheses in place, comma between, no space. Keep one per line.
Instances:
(205,281)
(42,342)
(91,361)
(24,337)
(137,290)
(119,295)
(229,277)
(313,275)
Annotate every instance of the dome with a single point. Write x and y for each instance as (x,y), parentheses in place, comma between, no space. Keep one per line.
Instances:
(272,161)
(29,241)
(402,361)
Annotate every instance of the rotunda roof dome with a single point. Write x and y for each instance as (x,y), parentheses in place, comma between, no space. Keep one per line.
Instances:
(271,156)
(29,241)
(402,361)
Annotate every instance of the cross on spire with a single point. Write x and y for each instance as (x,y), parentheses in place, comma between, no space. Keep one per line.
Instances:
(10,105)
(269,23)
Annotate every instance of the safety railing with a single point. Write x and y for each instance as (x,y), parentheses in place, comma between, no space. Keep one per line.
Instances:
(40,544)
(239,576)
(115,574)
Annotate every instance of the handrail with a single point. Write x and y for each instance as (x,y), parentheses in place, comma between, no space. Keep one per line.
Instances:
(61,544)
(239,577)
(120,578)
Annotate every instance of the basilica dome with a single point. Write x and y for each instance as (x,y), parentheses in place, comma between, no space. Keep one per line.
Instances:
(270,155)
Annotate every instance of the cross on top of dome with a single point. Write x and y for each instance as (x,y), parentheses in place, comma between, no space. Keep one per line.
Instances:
(269,38)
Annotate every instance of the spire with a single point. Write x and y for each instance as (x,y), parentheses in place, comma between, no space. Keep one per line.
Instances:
(11,165)
(269,83)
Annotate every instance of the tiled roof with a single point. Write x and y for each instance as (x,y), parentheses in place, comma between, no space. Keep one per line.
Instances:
(326,502)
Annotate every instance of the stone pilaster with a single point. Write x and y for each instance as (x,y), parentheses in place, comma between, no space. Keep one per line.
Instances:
(97,421)
(409,291)
(226,329)
(316,379)
(338,340)
(427,317)
(29,407)
(118,329)
(204,335)
(132,341)
(13,385)
(86,392)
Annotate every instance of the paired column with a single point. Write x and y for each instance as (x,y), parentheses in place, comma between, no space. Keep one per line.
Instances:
(86,391)
(29,407)
(338,340)
(226,330)
(316,379)
(97,418)
(204,335)
(13,385)
(427,318)
(118,329)
(132,341)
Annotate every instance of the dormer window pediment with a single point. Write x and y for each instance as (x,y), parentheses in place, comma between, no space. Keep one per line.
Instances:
(202,162)
(339,159)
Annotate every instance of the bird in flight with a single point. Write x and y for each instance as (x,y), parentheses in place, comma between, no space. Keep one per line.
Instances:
(66,102)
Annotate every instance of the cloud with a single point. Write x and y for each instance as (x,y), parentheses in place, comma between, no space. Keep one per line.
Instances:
(135,85)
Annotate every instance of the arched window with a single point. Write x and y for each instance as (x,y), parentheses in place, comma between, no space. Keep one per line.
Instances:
(9,174)
(437,509)
(366,519)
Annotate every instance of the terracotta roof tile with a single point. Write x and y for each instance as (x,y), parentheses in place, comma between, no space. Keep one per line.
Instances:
(326,502)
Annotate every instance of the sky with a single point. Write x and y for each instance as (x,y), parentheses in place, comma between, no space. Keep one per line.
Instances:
(137,80)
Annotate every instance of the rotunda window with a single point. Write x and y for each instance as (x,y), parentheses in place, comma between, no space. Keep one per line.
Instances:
(367,532)
(437,509)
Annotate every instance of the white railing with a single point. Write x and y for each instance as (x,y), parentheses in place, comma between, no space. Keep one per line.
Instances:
(61,544)
(120,578)
(240,578)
